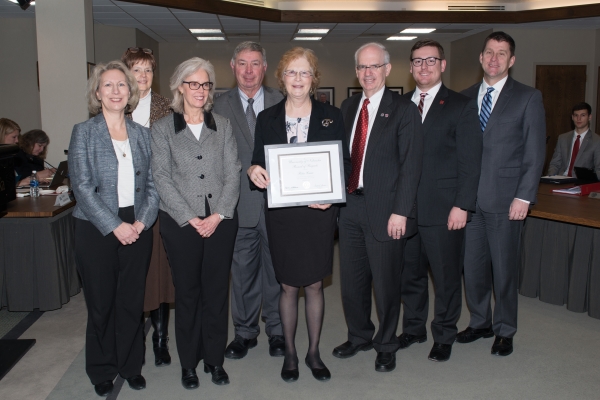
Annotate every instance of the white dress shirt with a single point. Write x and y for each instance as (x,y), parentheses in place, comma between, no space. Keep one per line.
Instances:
(372,108)
(572,144)
(259,100)
(428,101)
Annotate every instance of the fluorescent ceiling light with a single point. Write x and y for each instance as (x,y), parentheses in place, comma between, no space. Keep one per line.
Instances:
(308,38)
(313,31)
(205,31)
(16,2)
(210,38)
(418,30)
(401,38)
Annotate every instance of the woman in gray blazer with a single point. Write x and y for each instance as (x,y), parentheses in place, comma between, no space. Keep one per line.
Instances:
(109,168)
(197,174)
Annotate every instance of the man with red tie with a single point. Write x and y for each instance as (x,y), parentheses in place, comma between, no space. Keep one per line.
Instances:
(578,148)
(386,147)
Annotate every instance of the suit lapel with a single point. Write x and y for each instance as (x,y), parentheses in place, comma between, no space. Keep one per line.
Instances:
(503,100)
(132,133)
(270,98)
(102,129)
(381,119)
(240,115)
(584,143)
(278,123)
(437,105)
(315,120)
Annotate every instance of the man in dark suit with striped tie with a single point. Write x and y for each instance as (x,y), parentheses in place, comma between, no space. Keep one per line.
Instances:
(446,197)
(513,126)
(386,139)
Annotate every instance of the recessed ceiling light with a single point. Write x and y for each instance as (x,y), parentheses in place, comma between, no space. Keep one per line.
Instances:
(313,31)
(308,38)
(401,38)
(205,31)
(210,38)
(418,30)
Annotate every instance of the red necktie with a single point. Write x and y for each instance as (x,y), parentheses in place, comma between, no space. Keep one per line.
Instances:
(422,103)
(358,146)
(574,154)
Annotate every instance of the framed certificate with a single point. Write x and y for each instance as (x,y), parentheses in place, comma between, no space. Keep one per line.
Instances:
(305,173)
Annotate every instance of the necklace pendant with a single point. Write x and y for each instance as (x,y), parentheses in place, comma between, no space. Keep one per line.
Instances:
(124,154)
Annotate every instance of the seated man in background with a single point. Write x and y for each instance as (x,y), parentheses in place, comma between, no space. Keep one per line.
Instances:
(578,148)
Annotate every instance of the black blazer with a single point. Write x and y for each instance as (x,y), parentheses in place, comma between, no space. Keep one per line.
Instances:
(393,160)
(270,129)
(26,163)
(451,157)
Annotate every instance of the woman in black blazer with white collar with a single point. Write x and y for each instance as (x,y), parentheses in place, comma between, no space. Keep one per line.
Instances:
(300,238)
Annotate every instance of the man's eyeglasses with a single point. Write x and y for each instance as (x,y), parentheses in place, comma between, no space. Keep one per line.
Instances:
(417,62)
(363,68)
(136,49)
(196,85)
(291,73)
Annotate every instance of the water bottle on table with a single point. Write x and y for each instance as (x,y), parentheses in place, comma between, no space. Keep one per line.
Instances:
(34,185)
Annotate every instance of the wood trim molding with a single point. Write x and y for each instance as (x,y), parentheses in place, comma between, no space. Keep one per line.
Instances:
(465,17)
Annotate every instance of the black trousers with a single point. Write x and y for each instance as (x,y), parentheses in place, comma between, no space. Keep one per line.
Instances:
(365,261)
(440,249)
(114,280)
(200,269)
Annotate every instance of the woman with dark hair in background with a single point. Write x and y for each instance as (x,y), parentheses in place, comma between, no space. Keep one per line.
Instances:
(34,145)
(117,203)
(159,282)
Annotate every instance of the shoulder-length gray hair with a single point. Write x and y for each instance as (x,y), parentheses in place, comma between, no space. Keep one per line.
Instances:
(185,69)
(95,105)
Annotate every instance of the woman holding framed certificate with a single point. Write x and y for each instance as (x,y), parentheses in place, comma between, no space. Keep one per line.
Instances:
(300,238)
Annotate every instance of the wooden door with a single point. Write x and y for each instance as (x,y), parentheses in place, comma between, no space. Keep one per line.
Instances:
(562,87)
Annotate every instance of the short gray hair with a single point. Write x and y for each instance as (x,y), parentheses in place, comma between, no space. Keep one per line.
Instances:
(386,55)
(185,69)
(249,46)
(95,105)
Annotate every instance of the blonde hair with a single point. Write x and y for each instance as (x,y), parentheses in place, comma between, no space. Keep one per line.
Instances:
(185,69)
(7,126)
(94,105)
(294,54)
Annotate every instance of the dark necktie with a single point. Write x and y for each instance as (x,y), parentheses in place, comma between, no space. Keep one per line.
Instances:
(574,154)
(250,116)
(358,146)
(422,103)
(486,108)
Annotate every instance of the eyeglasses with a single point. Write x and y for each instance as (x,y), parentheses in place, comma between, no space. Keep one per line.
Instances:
(196,85)
(136,49)
(363,68)
(291,73)
(417,62)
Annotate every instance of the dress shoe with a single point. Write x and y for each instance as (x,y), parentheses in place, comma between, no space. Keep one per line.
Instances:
(320,374)
(238,348)
(276,346)
(349,349)
(385,361)
(161,351)
(189,379)
(470,335)
(502,346)
(104,388)
(440,352)
(406,339)
(219,376)
(136,382)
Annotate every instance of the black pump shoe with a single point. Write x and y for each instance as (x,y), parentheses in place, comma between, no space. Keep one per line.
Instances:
(320,374)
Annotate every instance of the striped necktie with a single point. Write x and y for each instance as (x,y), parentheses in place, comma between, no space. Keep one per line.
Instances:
(486,108)
(251,116)
(422,103)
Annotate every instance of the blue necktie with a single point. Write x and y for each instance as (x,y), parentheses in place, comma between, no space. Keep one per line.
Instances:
(486,108)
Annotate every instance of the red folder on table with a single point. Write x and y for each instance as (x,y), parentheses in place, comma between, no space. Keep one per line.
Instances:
(581,190)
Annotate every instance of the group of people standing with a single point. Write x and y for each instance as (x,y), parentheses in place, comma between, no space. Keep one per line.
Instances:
(433,177)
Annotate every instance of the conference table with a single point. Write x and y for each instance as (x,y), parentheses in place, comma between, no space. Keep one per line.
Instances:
(560,253)
(37,258)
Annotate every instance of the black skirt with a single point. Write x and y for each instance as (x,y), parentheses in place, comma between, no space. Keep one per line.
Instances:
(301,243)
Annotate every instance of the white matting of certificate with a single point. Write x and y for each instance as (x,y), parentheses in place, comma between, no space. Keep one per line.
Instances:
(305,173)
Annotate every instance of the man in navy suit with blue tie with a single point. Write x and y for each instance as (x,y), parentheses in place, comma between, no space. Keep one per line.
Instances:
(513,126)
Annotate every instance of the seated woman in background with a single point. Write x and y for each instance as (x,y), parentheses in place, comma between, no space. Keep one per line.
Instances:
(9,131)
(34,145)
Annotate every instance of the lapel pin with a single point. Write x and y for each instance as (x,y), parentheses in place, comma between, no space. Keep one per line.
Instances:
(327,122)
(441,101)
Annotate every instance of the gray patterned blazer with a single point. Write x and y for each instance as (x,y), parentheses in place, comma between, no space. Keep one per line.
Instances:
(93,171)
(187,171)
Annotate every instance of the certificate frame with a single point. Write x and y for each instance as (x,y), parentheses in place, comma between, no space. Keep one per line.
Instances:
(288,164)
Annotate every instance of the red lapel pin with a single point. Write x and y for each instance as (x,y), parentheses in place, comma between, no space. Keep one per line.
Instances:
(441,101)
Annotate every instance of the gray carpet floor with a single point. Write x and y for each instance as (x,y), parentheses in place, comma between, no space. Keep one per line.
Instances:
(556,357)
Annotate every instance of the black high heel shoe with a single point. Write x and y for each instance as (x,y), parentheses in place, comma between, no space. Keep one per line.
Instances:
(320,374)
(290,375)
